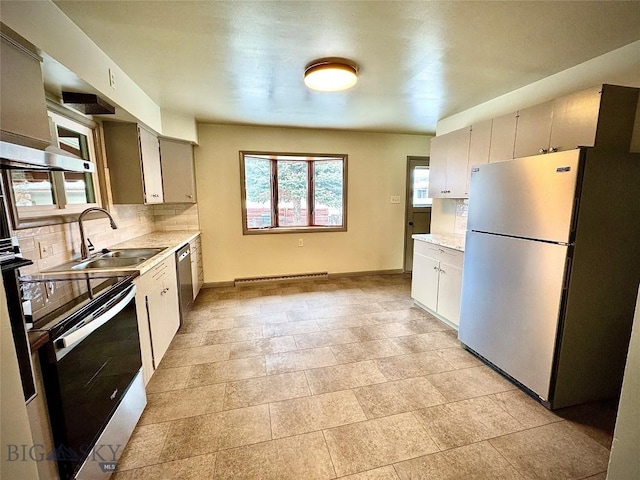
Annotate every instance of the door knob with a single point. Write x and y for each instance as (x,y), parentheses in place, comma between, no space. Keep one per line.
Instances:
(411,224)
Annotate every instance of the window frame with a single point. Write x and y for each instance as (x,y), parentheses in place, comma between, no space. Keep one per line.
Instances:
(61,211)
(274,157)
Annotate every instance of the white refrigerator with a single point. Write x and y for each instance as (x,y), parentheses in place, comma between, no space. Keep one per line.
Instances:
(551,269)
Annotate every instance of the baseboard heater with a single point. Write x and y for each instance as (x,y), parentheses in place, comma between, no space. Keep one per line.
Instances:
(282,278)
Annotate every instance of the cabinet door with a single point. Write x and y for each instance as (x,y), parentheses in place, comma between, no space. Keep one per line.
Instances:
(449,291)
(457,163)
(503,136)
(164,317)
(195,254)
(143,330)
(479,146)
(533,130)
(575,120)
(151,170)
(178,179)
(438,167)
(424,280)
(23,116)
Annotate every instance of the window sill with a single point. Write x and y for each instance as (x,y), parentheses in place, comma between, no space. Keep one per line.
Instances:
(269,231)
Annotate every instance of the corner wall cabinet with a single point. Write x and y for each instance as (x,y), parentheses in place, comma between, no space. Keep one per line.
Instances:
(133,159)
(158,312)
(601,116)
(437,280)
(178,175)
(23,112)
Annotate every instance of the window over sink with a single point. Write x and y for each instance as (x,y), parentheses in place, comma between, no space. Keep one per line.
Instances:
(283,192)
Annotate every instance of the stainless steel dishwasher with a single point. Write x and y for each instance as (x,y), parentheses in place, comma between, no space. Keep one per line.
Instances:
(185,281)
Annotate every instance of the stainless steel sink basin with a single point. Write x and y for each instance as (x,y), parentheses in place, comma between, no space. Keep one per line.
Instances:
(109,262)
(117,258)
(132,253)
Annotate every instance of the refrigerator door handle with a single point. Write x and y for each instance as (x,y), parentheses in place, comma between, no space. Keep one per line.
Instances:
(567,274)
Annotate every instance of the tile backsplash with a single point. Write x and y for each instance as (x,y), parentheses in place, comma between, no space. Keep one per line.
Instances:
(55,244)
(462,210)
(176,216)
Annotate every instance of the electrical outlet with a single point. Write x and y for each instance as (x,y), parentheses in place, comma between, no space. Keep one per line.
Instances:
(300,242)
(45,250)
(395,198)
(112,79)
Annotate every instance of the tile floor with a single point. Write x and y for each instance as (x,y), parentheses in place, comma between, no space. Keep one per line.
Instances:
(345,378)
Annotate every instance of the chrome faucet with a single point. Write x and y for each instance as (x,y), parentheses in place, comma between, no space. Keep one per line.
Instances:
(84,250)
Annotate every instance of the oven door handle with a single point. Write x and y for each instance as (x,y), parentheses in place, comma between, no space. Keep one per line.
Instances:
(70,340)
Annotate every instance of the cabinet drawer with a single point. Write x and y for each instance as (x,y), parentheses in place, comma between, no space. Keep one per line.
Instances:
(439,253)
(157,274)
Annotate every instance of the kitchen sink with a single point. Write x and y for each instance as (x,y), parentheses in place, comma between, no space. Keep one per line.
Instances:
(109,262)
(131,253)
(108,259)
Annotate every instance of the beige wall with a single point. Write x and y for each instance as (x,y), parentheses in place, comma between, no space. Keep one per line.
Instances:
(376,170)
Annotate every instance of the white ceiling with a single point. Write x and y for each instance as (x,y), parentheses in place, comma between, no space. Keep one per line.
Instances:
(242,62)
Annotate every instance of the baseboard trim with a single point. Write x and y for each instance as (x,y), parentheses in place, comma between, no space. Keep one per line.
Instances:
(366,273)
(330,276)
(448,323)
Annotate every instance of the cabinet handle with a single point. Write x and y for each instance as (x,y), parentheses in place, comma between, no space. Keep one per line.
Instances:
(435,268)
(441,270)
(164,290)
(553,149)
(189,196)
(542,150)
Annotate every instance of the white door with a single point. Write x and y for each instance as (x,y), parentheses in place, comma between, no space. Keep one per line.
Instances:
(418,206)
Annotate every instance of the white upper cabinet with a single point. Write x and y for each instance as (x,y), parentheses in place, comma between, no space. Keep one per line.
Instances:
(602,116)
(533,130)
(449,160)
(23,111)
(178,176)
(133,159)
(479,146)
(503,138)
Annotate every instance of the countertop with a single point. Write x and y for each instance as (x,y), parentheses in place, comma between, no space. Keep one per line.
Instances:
(449,240)
(170,241)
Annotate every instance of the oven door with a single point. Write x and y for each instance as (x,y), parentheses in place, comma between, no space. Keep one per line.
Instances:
(88,370)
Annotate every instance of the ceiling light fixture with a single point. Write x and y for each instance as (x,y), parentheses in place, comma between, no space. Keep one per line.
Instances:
(330,74)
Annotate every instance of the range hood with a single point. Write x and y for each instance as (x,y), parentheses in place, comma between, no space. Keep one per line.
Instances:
(25,158)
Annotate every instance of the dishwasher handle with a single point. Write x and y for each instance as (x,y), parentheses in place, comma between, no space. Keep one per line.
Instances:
(184,255)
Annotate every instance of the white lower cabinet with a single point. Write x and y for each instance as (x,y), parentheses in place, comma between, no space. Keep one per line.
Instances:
(197,272)
(437,280)
(424,282)
(158,312)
